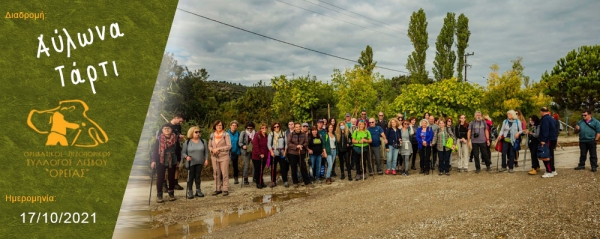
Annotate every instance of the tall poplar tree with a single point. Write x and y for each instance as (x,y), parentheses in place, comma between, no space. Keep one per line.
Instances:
(417,32)
(462,42)
(443,65)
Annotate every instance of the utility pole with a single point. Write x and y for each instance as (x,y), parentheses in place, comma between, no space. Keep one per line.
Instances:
(466,55)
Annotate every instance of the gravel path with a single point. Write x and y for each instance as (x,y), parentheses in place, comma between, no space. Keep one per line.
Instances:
(461,205)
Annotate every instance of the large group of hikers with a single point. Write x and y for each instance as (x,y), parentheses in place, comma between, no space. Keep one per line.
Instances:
(360,145)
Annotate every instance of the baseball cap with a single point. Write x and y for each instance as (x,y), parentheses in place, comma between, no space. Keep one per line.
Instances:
(348,115)
(544,109)
(320,121)
(304,124)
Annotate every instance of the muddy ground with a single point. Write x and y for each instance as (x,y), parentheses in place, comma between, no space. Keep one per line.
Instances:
(461,205)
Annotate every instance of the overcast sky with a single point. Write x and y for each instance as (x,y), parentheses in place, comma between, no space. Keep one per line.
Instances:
(539,31)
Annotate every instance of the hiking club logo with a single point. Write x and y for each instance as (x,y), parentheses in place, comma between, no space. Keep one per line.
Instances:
(67,125)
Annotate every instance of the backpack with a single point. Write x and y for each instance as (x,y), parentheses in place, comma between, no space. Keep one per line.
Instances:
(493,133)
(281,135)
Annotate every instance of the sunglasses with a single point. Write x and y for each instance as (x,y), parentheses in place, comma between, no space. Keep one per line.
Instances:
(363,114)
(305,126)
(584,115)
(276,126)
(381,115)
(250,128)
(372,122)
(196,132)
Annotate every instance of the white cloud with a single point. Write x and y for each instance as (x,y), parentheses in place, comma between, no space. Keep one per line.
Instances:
(539,31)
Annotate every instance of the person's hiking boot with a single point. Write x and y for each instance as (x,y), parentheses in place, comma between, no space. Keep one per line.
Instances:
(178,187)
(580,168)
(441,173)
(533,171)
(199,193)
(272,185)
(246,181)
(215,193)
(172,196)
(413,168)
(447,173)
(488,168)
(358,177)
(477,170)
(159,198)
(380,172)
(259,186)
(502,170)
(394,172)
(225,193)
(537,169)
(594,169)
(349,177)
(516,163)
(190,194)
(235,181)
(387,172)
(328,181)
(286,184)
(511,171)
(343,176)
(554,173)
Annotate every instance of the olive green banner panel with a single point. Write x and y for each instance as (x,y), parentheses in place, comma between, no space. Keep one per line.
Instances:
(75,84)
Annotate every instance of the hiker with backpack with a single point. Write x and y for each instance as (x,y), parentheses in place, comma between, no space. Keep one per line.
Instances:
(361,138)
(195,155)
(462,129)
(378,139)
(424,138)
(533,134)
(434,127)
(297,143)
(344,144)
(164,158)
(393,145)
(478,138)
(588,129)
(219,145)
(260,152)
(521,118)
(412,127)
(245,143)
(277,148)
(329,143)
(548,138)
(449,125)
(235,152)
(405,146)
(445,142)
(510,132)
(316,151)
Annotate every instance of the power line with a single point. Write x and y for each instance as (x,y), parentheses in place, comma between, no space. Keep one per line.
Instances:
(284,42)
(350,12)
(395,37)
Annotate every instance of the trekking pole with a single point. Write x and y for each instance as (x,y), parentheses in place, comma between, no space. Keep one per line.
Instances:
(188,176)
(526,147)
(361,161)
(151,181)
(371,162)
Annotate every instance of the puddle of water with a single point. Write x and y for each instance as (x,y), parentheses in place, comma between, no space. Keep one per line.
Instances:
(279,197)
(205,226)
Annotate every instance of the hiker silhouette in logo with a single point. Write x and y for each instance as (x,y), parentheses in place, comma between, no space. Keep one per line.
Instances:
(65,125)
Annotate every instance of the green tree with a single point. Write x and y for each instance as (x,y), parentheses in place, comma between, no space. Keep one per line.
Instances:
(575,79)
(255,104)
(462,42)
(366,60)
(447,97)
(507,92)
(443,65)
(354,90)
(299,96)
(417,32)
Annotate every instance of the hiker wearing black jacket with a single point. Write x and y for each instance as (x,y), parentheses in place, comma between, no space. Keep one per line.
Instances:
(548,136)
(344,145)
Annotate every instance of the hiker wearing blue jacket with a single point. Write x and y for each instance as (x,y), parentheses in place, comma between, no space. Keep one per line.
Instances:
(588,129)
(548,136)
(424,138)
